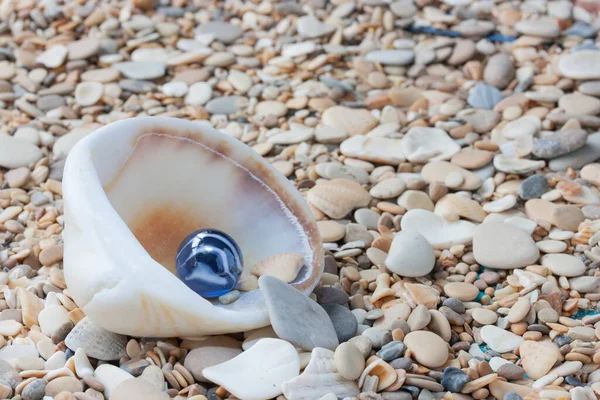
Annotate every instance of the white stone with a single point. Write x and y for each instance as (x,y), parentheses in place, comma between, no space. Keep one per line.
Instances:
(505,203)
(551,246)
(319,378)
(175,88)
(422,144)
(13,352)
(376,149)
(388,188)
(149,54)
(580,64)
(83,367)
(514,165)
(51,318)
(497,362)
(110,376)
(199,93)
(53,57)
(391,57)
(15,153)
(528,125)
(239,80)
(499,339)
(503,246)
(298,49)
(10,327)
(259,372)
(65,143)
(88,93)
(410,254)
(142,70)
(563,264)
(56,361)
(439,232)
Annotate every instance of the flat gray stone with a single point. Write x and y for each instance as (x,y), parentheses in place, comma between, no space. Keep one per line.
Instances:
(142,70)
(223,31)
(224,105)
(391,57)
(558,143)
(295,317)
(589,153)
(343,321)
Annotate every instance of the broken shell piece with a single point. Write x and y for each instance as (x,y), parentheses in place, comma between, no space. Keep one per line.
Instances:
(134,189)
(282,266)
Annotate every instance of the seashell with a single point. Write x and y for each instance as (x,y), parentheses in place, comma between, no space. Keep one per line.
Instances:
(338,197)
(377,367)
(134,189)
(282,266)
(319,378)
(259,372)
(97,342)
(454,206)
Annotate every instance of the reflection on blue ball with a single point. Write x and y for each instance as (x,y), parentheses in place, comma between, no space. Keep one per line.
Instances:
(209,262)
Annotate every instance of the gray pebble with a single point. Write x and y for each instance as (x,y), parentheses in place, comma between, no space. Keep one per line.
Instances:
(512,396)
(455,304)
(533,187)
(511,372)
(391,351)
(343,320)
(331,295)
(402,363)
(558,143)
(224,105)
(454,379)
(35,390)
(484,96)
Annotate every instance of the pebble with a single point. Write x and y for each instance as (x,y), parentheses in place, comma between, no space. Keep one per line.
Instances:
(563,264)
(391,57)
(142,70)
(211,352)
(258,372)
(410,255)
(533,187)
(558,143)
(503,246)
(222,31)
(484,96)
(344,323)
(499,71)
(422,144)
(580,64)
(349,361)
(580,157)
(352,121)
(137,389)
(454,379)
(485,316)
(310,27)
(427,348)
(500,340)
(34,390)
(298,319)
(15,153)
(224,105)
(439,232)
(110,377)
(375,149)
(97,342)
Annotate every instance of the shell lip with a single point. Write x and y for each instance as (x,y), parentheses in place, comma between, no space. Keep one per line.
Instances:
(83,181)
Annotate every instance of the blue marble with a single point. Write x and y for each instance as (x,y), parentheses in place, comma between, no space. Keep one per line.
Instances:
(209,262)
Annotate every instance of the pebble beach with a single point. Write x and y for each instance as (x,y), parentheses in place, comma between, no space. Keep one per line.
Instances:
(448,150)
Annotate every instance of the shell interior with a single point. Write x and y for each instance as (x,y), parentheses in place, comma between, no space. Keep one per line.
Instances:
(170,186)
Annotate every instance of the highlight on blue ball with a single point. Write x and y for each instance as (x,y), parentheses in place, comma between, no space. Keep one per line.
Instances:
(209,262)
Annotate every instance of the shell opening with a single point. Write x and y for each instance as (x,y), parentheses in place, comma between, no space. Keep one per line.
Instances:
(170,186)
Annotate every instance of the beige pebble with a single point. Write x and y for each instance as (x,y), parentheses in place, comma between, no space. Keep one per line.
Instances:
(427,348)
(461,290)
(349,361)
(485,316)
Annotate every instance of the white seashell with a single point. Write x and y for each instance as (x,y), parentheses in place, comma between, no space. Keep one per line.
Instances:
(319,378)
(135,188)
(257,373)
(97,342)
(439,232)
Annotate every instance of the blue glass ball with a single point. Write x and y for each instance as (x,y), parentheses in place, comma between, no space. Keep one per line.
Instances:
(209,262)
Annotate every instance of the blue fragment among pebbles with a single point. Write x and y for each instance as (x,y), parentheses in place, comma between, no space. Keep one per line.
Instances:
(209,262)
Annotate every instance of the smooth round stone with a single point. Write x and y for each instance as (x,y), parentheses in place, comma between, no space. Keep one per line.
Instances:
(563,264)
(533,187)
(537,358)
(209,262)
(579,158)
(579,104)
(343,321)
(454,379)
(367,217)
(472,159)
(463,51)
(503,246)
(388,188)
(551,246)
(142,70)
(410,255)
(481,120)
(310,27)
(376,149)
(584,284)
(427,348)
(212,351)
(484,316)
(222,31)
(63,384)
(349,361)
(543,27)
(439,232)
(511,371)
(34,390)
(84,48)
(53,57)
(415,200)
(461,290)
(438,171)
(591,88)
(270,107)
(392,350)
(528,125)
(137,389)
(150,54)
(225,105)
(15,153)
(580,64)
(499,339)
(499,70)
(484,96)
(391,57)
(198,93)
(175,89)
